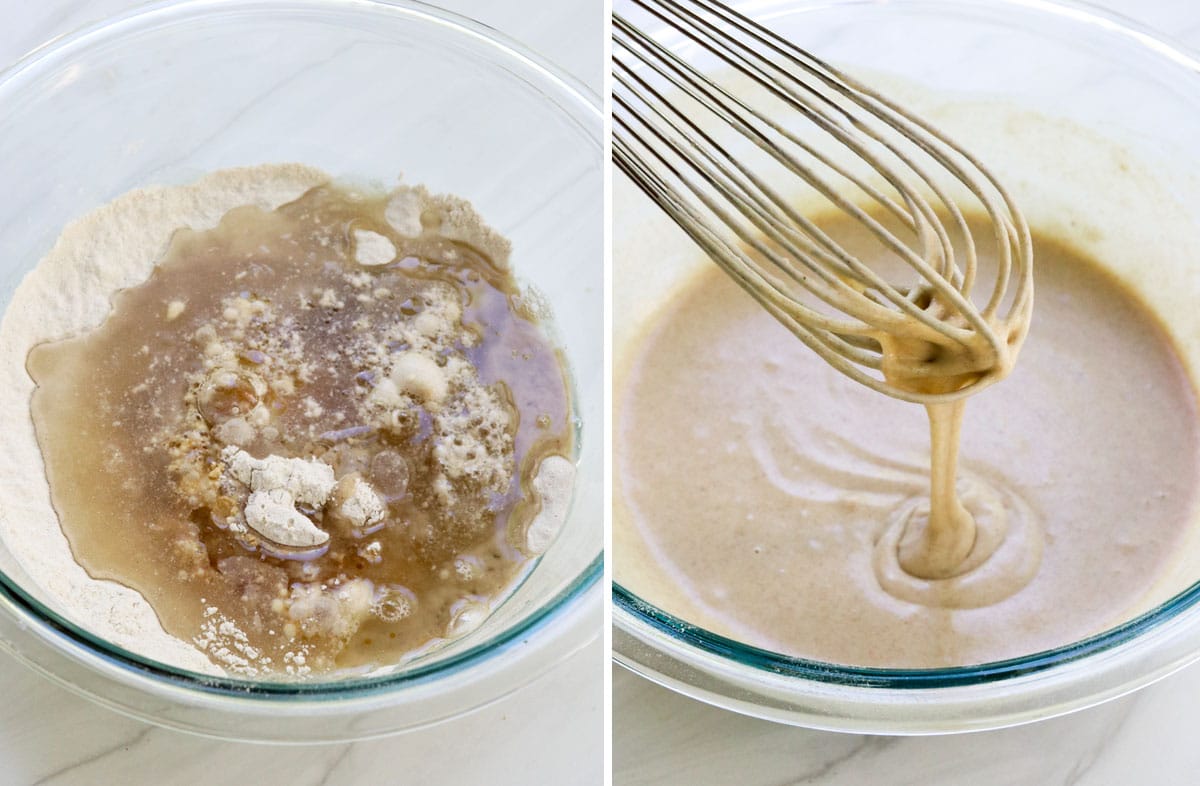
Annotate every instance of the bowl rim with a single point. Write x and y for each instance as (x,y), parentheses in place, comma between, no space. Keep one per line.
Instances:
(152,9)
(639,619)
(706,641)
(571,97)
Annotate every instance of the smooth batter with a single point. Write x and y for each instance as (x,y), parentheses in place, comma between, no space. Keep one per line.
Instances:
(764,496)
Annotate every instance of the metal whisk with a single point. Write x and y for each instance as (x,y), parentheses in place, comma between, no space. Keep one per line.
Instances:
(797,122)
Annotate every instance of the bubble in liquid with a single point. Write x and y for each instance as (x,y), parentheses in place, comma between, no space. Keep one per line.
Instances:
(389,475)
(226,394)
(465,616)
(393,602)
(468,567)
(309,571)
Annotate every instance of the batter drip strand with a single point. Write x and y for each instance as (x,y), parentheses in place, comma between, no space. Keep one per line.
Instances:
(921,321)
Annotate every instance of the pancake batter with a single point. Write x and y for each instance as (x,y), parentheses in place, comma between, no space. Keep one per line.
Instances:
(765,497)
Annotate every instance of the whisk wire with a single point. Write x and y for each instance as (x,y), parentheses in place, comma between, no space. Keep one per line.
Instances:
(668,117)
(921,133)
(852,267)
(749,62)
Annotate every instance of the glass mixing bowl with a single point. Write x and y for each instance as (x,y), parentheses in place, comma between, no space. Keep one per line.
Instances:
(365,91)
(1092,122)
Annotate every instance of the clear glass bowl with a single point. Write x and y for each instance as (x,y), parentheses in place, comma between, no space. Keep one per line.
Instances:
(1058,79)
(365,91)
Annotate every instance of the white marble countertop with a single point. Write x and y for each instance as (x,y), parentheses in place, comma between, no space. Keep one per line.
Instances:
(549,732)
(1146,738)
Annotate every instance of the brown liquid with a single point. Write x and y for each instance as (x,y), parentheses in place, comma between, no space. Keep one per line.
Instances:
(760,494)
(132,424)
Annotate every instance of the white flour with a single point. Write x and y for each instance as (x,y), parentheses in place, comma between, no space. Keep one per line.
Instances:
(114,247)
(275,485)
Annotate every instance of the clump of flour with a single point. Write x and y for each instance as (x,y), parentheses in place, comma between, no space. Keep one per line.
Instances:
(275,485)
